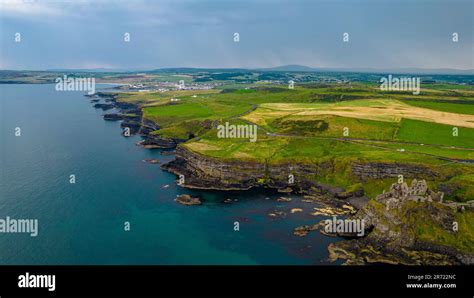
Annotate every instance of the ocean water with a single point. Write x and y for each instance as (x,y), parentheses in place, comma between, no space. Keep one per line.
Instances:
(83,223)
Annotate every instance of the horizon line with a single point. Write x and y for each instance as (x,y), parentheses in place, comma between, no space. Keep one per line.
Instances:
(273,68)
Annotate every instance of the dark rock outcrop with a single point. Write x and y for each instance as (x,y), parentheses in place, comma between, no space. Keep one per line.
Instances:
(113,117)
(132,124)
(157,142)
(104,106)
(148,127)
(188,200)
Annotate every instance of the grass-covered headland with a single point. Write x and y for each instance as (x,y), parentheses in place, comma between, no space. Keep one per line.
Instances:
(338,124)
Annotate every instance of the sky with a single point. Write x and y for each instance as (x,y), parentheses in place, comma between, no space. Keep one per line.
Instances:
(58,34)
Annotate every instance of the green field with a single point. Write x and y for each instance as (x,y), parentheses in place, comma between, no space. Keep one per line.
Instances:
(466,108)
(432,133)
(333,126)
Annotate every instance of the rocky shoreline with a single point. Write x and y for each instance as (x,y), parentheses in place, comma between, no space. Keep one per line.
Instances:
(132,118)
(389,237)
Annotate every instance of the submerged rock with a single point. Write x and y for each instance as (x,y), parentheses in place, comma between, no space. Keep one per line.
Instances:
(188,200)
(294,210)
(302,231)
(277,214)
(283,199)
(330,211)
(151,160)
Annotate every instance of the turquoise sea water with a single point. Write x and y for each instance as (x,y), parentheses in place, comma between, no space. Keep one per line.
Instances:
(83,223)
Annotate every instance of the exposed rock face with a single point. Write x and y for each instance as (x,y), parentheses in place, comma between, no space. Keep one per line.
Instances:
(374,170)
(127,108)
(358,202)
(209,173)
(147,127)
(157,142)
(391,223)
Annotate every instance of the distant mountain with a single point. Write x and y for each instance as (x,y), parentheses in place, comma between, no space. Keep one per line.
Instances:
(421,71)
(192,69)
(439,71)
